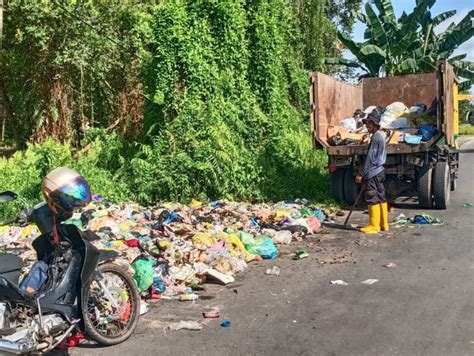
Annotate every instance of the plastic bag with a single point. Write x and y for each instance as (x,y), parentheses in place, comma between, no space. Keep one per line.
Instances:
(36,278)
(236,247)
(412,139)
(350,123)
(427,132)
(314,224)
(143,274)
(246,238)
(204,239)
(283,237)
(263,247)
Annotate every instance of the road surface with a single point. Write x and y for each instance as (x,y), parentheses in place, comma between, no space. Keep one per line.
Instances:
(424,306)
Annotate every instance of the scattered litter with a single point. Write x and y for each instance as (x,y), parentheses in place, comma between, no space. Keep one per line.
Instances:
(420,219)
(221,276)
(301,254)
(71,341)
(171,246)
(275,270)
(188,297)
(370,281)
(143,308)
(226,324)
(186,324)
(211,315)
(282,237)
(467,205)
(340,282)
(391,265)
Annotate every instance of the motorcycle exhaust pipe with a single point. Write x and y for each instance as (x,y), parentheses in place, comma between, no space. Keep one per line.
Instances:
(16,348)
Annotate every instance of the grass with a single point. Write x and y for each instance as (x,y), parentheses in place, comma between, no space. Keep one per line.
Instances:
(466,129)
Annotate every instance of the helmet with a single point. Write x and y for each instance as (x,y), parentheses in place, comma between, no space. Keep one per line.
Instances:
(375,115)
(64,189)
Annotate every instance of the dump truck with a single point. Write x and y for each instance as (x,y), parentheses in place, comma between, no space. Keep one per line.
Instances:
(428,170)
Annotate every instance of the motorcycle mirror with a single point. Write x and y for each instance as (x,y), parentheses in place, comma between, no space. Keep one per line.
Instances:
(7,196)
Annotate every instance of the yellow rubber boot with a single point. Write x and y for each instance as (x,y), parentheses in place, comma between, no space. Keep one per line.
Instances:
(384,216)
(374,220)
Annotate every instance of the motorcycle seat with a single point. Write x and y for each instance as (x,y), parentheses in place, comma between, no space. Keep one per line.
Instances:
(10,263)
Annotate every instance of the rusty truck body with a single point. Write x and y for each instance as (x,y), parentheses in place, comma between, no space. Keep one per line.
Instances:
(428,170)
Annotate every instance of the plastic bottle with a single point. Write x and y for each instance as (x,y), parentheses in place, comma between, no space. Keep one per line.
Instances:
(187,297)
(275,270)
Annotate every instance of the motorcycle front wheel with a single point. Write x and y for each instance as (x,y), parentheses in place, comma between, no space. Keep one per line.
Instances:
(111,307)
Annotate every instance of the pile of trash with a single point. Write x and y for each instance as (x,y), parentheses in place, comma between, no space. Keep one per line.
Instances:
(172,249)
(402,124)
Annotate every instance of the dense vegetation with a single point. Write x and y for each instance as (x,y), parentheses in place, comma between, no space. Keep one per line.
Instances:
(410,44)
(155,100)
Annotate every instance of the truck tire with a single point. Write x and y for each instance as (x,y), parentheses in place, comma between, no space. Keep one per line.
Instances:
(350,186)
(441,185)
(424,187)
(337,184)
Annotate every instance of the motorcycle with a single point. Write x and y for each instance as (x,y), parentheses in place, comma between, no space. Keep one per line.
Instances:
(72,288)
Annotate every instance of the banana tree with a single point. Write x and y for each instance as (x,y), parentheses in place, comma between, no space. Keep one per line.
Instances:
(408,44)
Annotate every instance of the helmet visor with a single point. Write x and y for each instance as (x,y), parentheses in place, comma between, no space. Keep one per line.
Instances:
(72,195)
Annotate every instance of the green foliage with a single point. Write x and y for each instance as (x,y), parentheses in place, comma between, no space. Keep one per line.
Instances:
(409,44)
(466,129)
(168,99)
(229,94)
(58,82)
(27,169)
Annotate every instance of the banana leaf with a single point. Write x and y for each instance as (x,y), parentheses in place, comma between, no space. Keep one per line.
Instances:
(369,50)
(462,64)
(465,86)
(404,44)
(457,58)
(385,8)
(461,33)
(376,26)
(341,61)
(443,17)
(348,43)
(408,66)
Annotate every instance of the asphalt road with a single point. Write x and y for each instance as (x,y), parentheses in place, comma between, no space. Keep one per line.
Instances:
(424,306)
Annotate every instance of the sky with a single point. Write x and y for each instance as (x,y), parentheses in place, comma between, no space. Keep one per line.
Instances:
(461,6)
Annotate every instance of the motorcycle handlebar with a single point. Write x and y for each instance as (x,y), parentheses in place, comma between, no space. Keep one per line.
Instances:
(22,218)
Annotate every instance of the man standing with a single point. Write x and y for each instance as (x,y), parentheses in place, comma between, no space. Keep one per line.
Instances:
(373,173)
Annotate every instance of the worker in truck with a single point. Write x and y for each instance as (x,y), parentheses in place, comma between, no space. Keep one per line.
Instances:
(373,175)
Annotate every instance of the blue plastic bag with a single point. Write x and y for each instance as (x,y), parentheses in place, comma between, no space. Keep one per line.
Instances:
(427,132)
(412,139)
(36,278)
(263,247)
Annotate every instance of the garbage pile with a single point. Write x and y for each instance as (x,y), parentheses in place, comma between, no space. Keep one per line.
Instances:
(402,124)
(172,249)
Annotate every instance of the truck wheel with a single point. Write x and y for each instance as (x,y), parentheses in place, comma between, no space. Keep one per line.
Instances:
(350,186)
(425,197)
(337,184)
(441,185)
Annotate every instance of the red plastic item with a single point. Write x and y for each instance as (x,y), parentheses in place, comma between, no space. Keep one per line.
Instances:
(126,313)
(132,243)
(71,341)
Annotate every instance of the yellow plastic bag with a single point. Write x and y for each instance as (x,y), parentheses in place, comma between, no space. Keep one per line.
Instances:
(236,247)
(202,238)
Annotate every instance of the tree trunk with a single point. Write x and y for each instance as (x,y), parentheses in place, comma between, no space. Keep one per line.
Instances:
(8,111)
